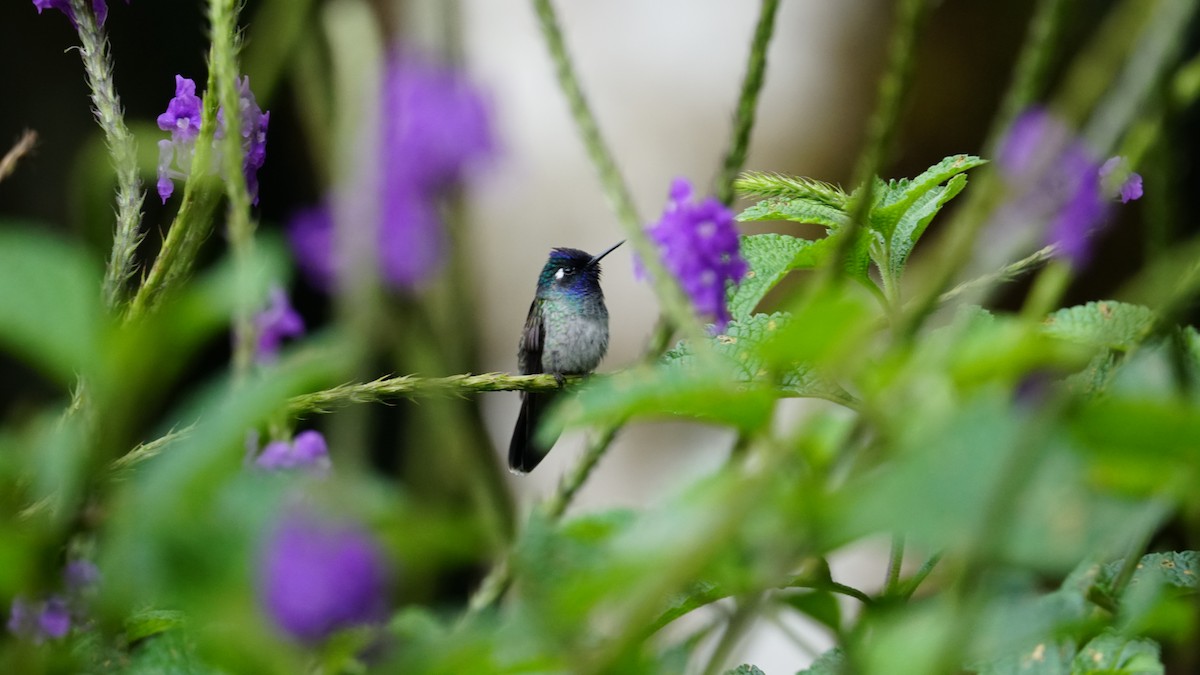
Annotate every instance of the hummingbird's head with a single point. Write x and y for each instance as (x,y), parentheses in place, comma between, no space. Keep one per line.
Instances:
(571,270)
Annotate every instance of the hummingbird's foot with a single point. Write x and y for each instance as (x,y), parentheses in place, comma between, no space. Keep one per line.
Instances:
(560,380)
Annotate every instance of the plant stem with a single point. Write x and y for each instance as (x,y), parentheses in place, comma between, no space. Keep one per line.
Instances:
(22,147)
(122,147)
(881,128)
(222,15)
(911,586)
(1007,273)
(670,295)
(192,223)
(895,562)
(756,68)
(1032,68)
(735,628)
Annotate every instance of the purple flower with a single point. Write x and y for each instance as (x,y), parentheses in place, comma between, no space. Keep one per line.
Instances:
(411,240)
(39,621)
(317,576)
(310,234)
(100,7)
(435,123)
(699,243)
(1057,179)
(307,450)
(81,576)
(434,126)
(1131,185)
(52,618)
(275,323)
(182,119)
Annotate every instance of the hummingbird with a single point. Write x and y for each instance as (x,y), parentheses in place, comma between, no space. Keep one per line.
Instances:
(566,333)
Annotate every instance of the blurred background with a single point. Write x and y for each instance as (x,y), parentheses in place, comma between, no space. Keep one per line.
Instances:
(663,78)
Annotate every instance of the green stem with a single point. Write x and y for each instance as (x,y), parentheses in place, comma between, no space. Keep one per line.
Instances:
(882,126)
(674,304)
(895,562)
(911,586)
(1007,273)
(756,69)
(122,147)
(1032,68)
(191,225)
(222,15)
(1028,79)
(735,628)
(498,579)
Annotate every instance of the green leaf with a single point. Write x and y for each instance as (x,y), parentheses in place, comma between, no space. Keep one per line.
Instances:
(912,224)
(151,622)
(700,391)
(741,344)
(900,195)
(796,210)
(771,257)
(821,606)
(745,669)
(1113,654)
(832,662)
(1044,658)
(1108,324)
(1180,569)
(758,184)
(50,312)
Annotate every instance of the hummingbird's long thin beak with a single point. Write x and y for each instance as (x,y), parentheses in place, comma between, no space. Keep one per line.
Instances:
(595,259)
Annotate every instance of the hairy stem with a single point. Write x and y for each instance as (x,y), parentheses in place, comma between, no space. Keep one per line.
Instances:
(674,304)
(222,16)
(122,147)
(756,69)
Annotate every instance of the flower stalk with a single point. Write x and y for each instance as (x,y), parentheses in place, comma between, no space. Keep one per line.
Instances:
(122,147)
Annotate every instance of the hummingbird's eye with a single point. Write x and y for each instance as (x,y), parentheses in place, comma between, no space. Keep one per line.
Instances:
(563,271)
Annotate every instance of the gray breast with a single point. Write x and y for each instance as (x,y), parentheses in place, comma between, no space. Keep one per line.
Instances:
(575,346)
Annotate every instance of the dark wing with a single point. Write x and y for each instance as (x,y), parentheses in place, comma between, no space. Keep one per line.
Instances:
(523,452)
(529,352)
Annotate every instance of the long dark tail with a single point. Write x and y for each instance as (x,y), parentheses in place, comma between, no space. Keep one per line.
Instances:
(524,452)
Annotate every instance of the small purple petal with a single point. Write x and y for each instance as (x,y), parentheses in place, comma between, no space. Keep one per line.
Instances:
(309,447)
(307,451)
(1131,189)
(316,577)
(276,323)
(310,234)
(81,576)
(55,620)
(166,155)
(183,114)
(22,618)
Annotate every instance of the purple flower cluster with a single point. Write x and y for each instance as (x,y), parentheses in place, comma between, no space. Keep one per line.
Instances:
(307,451)
(276,323)
(317,576)
(51,619)
(1057,179)
(699,245)
(434,126)
(182,119)
(100,7)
